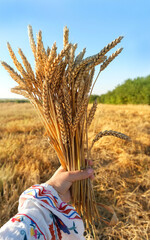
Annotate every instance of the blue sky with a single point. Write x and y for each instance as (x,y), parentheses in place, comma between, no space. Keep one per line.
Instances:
(92,24)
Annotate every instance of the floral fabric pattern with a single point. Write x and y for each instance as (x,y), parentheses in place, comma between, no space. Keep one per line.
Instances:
(43,215)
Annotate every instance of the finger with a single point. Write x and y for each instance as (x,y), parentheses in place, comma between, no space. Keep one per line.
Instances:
(80,175)
(90,162)
(60,169)
(92,177)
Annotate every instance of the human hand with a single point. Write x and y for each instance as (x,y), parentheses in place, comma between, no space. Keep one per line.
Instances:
(62,180)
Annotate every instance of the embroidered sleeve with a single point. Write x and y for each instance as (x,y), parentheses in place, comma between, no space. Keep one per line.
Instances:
(43,215)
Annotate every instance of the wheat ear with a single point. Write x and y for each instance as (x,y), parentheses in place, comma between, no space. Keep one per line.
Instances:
(15,61)
(79,113)
(80,93)
(109,133)
(26,64)
(78,80)
(89,80)
(71,62)
(14,74)
(107,60)
(61,122)
(92,113)
(23,93)
(80,56)
(32,42)
(81,65)
(39,67)
(110,59)
(57,81)
(68,108)
(56,61)
(48,51)
(19,67)
(110,46)
(51,57)
(66,36)
(30,72)
(46,109)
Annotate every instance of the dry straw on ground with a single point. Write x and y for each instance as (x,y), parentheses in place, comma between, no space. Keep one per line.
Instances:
(122,168)
(60,89)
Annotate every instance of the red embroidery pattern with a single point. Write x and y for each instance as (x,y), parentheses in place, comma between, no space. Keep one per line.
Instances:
(66,209)
(58,231)
(51,229)
(38,191)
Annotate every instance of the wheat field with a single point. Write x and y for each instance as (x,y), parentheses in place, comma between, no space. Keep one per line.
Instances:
(122,172)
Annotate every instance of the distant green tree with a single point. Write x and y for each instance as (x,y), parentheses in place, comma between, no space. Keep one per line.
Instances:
(93,98)
(136,91)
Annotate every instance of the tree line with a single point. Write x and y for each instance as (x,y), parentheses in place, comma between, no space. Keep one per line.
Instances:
(136,91)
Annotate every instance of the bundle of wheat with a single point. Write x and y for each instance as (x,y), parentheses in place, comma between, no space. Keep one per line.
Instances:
(60,89)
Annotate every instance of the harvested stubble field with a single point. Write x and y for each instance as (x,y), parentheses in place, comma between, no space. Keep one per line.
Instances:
(122,169)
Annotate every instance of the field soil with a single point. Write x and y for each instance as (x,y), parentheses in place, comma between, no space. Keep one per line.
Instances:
(122,169)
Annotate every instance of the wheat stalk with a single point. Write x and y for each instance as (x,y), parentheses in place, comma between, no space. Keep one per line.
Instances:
(60,92)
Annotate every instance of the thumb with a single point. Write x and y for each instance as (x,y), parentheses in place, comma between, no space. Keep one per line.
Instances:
(80,175)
